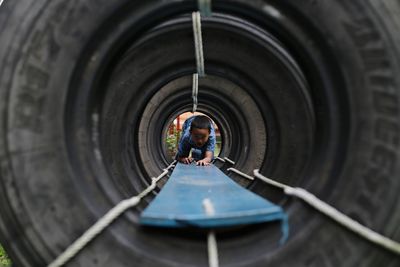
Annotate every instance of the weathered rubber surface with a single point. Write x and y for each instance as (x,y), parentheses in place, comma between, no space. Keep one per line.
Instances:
(42,210)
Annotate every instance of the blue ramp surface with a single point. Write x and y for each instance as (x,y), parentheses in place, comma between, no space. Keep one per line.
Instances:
(180,202)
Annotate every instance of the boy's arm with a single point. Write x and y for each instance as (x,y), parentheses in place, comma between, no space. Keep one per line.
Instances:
(209,155)
(211,143)
(183,151)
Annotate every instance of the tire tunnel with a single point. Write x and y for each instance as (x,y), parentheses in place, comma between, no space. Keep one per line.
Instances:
(306,91)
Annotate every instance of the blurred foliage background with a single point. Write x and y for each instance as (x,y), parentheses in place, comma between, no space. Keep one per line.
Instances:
(4,260)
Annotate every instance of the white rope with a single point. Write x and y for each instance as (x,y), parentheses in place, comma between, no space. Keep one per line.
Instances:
(220,159)
(225,159)
(171,166)
(105,221)
(269,181)
(195,91)
(241,173)
(229,160)
(198,43)
(205,10)
(1,2)
(93,231)
(212,247)
(334,214)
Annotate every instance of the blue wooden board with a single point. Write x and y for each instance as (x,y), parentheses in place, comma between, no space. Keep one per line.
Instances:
(180,202)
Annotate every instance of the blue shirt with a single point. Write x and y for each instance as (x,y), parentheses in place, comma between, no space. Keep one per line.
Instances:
(186,143)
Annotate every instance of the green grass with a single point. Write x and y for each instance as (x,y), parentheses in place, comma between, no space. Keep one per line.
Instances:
(4,260)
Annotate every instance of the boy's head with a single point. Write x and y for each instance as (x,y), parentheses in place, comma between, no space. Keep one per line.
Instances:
(200,130)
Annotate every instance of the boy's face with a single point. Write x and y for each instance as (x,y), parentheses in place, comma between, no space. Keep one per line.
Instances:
(200,136)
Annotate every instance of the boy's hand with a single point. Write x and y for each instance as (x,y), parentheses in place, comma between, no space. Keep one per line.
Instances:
(186,160)
(203,162)
(207,160)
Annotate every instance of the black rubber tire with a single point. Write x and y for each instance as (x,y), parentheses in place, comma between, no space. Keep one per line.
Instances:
(233,121)
(354,162)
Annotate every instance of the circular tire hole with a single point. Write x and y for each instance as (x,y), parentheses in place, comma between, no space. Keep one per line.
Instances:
(174,132)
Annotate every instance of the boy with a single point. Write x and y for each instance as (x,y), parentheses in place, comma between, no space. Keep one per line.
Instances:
(198,134)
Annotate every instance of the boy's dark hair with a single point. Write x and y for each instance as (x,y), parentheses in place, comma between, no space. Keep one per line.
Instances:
(201,122)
